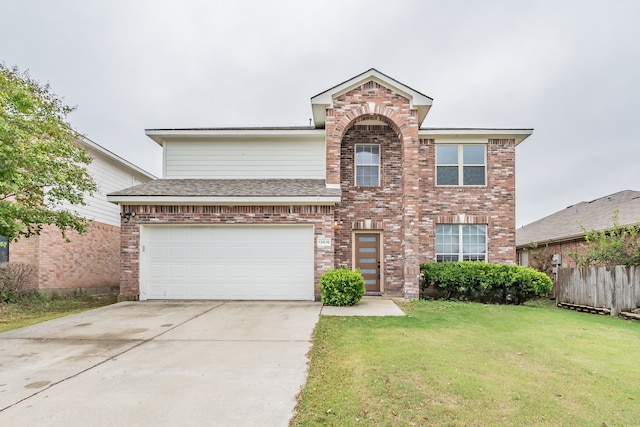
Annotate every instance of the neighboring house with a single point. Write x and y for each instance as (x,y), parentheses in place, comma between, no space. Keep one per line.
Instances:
(261,213)
(89,262)
(561,233)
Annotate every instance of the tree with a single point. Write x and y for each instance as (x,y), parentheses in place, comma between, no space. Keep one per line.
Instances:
(42,168)
(617,246)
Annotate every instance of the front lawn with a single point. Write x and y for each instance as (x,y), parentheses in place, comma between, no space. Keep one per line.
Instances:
(37,308)
(468,364)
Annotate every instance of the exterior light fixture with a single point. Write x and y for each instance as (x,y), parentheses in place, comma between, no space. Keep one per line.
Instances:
(127,216)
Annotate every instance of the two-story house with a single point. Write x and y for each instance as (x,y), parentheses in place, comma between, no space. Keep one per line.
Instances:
(261,213)
(89,262)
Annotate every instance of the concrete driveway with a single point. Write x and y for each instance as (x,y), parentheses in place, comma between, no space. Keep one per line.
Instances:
(159,364)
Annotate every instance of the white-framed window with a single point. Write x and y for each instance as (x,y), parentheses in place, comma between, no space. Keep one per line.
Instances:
(461,242)
(367,165)
(461,164)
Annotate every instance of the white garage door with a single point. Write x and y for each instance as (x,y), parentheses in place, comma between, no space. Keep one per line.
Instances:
(227,262)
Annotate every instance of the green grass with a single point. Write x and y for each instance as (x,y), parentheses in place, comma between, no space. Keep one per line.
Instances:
(466,364)
(36,309)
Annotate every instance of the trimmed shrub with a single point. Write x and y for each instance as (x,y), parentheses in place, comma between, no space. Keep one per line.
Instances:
(483,282)
(341,287)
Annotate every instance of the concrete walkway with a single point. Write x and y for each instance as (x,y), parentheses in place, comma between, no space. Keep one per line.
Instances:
(159,364)
(368,306)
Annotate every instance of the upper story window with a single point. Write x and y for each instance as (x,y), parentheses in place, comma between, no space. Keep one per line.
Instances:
(367,165)
(461,242)
(461,164)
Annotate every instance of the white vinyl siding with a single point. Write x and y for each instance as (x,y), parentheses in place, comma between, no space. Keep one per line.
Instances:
(246,262)
(109,177)
(243,159)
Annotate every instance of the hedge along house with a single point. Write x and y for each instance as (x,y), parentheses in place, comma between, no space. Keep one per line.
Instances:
(261,213)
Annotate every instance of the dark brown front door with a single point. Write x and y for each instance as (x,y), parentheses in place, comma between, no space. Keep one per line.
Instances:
(367,248)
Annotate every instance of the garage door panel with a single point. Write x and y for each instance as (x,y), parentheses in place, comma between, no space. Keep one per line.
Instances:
(227,262)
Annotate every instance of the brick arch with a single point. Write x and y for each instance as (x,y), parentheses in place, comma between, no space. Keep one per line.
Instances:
(368,116)
(369,111)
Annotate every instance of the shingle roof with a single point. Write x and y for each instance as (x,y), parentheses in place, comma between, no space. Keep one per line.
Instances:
(594,215)
(231,188)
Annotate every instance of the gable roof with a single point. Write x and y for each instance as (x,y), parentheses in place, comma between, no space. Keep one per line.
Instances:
(324,100)
(593,215)
(228,191)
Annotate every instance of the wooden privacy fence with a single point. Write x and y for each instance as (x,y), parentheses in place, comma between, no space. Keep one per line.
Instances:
(612,288)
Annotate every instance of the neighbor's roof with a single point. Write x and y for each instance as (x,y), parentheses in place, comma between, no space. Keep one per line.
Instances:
(224,191)
(91,145)
(594,215)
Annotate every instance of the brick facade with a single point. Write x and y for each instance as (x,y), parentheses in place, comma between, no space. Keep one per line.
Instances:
(89,262)
(493,204)
(372,101)
(320,216)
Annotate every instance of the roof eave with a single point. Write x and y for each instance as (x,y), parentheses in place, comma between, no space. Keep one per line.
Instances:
(161,135)
(224,201)
(518,135)
(552,240)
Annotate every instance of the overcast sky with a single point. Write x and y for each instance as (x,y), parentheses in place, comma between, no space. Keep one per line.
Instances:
(568,69)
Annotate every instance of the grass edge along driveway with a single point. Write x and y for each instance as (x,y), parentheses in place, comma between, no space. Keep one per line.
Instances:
(468,364)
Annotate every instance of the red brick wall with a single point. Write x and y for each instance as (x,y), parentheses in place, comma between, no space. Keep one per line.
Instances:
(26,251)
(493,204)
(90,261)
(320,216)
(545,251)
(383,204)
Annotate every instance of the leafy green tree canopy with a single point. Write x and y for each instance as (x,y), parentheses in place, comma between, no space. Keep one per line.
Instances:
(42,168)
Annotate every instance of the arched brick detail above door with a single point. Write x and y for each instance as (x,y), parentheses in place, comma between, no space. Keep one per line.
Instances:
(368,101)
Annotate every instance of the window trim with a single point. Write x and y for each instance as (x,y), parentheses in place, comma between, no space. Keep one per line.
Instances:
(461,253)
(460,165)
(355,164)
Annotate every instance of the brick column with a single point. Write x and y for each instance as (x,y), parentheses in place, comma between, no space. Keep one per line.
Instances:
(333,137)
(411,207)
